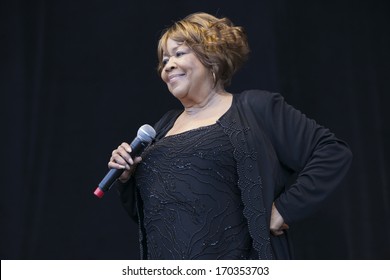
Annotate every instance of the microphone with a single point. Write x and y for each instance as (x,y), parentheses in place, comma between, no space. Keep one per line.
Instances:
(145,135)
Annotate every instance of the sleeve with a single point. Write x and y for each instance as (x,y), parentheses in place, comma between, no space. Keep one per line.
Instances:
(127,194)
(319,158)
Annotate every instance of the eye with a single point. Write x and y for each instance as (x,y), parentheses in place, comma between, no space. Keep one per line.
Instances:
(179,53)
(165,60)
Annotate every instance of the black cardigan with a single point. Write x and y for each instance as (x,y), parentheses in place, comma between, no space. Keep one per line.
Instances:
(272,141)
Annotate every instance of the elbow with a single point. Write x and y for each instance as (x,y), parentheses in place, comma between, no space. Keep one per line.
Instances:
(345,156)
(348,154)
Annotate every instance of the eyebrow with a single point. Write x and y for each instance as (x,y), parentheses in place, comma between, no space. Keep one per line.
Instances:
(173,49)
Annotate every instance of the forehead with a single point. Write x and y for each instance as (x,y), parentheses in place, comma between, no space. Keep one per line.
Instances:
(171,46)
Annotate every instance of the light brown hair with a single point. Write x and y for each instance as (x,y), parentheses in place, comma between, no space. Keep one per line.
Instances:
(218,44)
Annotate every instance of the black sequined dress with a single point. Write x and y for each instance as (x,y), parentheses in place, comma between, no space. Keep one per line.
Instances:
(191,202)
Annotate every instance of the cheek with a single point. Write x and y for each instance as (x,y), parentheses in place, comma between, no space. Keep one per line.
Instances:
(163,76)
(198,68)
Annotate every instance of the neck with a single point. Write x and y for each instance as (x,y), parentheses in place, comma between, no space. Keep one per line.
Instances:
(203,102)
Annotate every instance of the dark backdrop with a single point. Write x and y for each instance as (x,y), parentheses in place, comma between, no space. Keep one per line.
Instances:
(78,78)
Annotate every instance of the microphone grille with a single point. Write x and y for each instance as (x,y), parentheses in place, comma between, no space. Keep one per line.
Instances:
(146,133)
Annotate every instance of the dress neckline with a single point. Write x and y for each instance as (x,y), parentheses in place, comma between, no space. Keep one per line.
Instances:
(200,127)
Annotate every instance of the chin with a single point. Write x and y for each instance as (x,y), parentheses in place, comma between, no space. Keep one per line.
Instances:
(178,93)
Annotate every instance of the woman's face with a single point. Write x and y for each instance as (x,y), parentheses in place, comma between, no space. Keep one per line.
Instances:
(183,72)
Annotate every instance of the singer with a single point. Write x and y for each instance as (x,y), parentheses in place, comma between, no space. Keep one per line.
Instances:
(216,182)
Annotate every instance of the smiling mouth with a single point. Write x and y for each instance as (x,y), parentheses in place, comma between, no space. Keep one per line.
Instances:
(174,77)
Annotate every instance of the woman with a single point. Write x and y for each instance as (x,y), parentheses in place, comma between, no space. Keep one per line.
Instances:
(216,182)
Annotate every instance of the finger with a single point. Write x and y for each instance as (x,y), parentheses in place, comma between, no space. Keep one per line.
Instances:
(277,232)
(284,226)
(126,147)
(137,160)
(116,157)
(121,153)
(114,165)
(119,160)
(124,154)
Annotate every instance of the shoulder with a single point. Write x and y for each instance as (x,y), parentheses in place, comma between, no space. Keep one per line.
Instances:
(256,96)
(166,120)
(260,101)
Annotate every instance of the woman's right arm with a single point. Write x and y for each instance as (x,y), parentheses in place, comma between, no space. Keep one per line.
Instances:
(121,159)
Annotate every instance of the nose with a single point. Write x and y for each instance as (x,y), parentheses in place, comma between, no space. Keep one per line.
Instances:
(170,65)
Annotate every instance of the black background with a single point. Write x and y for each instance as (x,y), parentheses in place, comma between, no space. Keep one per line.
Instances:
(78,78)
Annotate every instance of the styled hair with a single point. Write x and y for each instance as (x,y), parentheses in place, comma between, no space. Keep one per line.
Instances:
(217,43)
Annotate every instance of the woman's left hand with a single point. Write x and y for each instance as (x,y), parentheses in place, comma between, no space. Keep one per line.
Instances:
(277,225)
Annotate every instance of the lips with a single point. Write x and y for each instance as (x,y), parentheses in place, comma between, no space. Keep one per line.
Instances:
(174,77)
